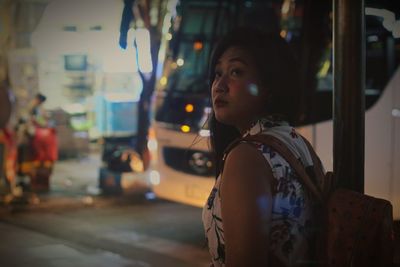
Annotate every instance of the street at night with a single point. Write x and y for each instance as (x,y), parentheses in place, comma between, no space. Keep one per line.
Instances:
(70,227)
(120,120)
(129,234)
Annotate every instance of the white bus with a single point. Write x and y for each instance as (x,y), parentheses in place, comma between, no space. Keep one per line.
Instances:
(184,162)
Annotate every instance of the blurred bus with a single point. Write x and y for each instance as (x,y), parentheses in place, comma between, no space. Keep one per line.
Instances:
(185,165)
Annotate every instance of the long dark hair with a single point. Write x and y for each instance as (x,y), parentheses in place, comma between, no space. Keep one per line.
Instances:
(278,71)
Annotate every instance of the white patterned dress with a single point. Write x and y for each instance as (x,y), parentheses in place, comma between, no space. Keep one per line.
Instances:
(291,212)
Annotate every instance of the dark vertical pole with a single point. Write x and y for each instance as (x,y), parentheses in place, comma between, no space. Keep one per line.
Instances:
(349,93)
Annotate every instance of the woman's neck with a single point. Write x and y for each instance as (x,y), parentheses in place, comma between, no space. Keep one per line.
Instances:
(246,127)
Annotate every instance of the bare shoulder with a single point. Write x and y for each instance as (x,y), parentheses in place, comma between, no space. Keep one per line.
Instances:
(245,156)
(246,165)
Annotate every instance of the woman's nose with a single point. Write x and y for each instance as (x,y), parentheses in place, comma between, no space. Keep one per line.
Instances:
(221,85)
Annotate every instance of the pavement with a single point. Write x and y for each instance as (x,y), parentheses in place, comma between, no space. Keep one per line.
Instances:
(73,184)
(110,236)
(43,251)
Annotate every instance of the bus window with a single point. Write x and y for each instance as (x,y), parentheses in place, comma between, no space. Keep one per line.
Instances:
(382,58)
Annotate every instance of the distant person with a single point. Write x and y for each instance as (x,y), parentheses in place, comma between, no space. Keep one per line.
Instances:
(5,104)
(31,118)
(36,111)
(34,115)
(258,213)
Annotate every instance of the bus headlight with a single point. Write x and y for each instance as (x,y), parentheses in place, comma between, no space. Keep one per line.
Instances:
(154,177)
(200,163)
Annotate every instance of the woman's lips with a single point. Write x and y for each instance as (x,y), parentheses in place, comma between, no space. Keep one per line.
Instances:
(220,103)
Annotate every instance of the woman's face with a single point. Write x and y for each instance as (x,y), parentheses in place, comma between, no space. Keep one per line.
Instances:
(237,96)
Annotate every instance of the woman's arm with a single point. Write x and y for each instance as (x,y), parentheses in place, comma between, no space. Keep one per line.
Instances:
(246,204)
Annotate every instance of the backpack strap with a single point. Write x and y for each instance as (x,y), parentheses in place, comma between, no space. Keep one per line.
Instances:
(285,152)
(326,181)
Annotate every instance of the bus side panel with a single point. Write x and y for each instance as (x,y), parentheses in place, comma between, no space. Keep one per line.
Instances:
(395,186)
(308,133)
(377,148)
(183,188)
(382,146)
(321,137)
(378,145)
(324,143)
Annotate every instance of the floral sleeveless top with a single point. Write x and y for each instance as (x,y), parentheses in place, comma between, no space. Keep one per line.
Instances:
(291,210)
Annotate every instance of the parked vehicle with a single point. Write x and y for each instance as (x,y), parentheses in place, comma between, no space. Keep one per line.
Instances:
(185,165)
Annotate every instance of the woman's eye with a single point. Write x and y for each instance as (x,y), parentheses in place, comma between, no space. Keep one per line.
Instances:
(236,72)
(218,74)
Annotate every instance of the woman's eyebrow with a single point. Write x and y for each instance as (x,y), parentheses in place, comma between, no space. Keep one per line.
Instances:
(238,59)
(233,59)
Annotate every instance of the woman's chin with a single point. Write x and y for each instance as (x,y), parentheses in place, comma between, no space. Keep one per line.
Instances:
(225,119)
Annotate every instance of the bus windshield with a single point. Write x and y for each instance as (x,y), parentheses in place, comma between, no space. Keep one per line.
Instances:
(199,24)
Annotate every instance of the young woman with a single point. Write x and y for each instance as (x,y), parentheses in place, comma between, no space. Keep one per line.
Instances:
(258,213)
